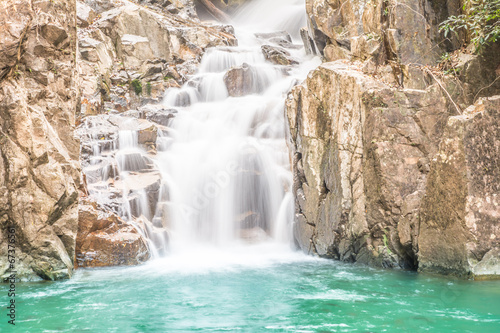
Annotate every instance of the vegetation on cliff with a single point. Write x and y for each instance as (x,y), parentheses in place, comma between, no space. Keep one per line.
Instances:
(480,19)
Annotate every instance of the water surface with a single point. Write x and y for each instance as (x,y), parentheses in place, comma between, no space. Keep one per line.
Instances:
(264,288)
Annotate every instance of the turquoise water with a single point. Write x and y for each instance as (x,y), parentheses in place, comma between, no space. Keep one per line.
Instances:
(279,291)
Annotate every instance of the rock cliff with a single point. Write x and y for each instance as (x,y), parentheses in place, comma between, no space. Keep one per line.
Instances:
(39,169)
(390,167)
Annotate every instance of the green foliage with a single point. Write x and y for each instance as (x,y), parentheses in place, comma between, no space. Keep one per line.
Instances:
(481,21)
(137,85)
(385,244)
(148,89)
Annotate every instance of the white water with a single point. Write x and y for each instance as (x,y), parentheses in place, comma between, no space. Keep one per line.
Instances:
(227,169)
(225,180)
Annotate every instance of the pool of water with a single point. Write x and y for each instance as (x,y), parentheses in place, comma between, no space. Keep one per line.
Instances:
(259,289)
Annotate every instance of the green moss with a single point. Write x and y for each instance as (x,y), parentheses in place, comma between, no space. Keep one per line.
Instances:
(385,244)
(137,85)
(148,89)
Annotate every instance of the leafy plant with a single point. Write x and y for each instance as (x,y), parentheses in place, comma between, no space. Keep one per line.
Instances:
(148,89)
(481,21)
(137,85)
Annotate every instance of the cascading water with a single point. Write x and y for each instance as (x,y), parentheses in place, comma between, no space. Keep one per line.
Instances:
(227,168)
(220,175)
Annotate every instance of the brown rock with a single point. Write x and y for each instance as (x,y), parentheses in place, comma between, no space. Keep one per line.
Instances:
(460,214)
(278,55)
(243,80)
(104,239)
(54,34)
(356,148)
(39,174)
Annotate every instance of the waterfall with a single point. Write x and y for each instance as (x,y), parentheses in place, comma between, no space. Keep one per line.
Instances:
(227,169)
(219,175)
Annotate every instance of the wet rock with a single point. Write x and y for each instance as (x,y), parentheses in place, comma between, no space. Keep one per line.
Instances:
(158,236)
(275,36)
(158,114)
(248,220)
(308,42)
(147,136)
(104,239)
(243,80)
(253,235)
(278,56)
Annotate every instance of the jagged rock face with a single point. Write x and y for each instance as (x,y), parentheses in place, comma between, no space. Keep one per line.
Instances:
(104,239)
(404,31)
(361,158)
(392,177)
(460,214)
(150,46)
(39,172)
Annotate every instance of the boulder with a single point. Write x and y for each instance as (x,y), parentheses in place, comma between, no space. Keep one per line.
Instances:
(104,239)
(244,80)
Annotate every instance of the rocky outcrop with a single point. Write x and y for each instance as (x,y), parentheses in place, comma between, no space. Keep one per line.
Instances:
(361,157)
(402,31)
(132,54)
(104,239)
(39,173)
(388,168)
(460,214)
(390,177)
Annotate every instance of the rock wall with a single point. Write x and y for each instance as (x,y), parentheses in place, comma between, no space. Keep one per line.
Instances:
(361,157)
(391,168)
(39,172)
(460,214)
